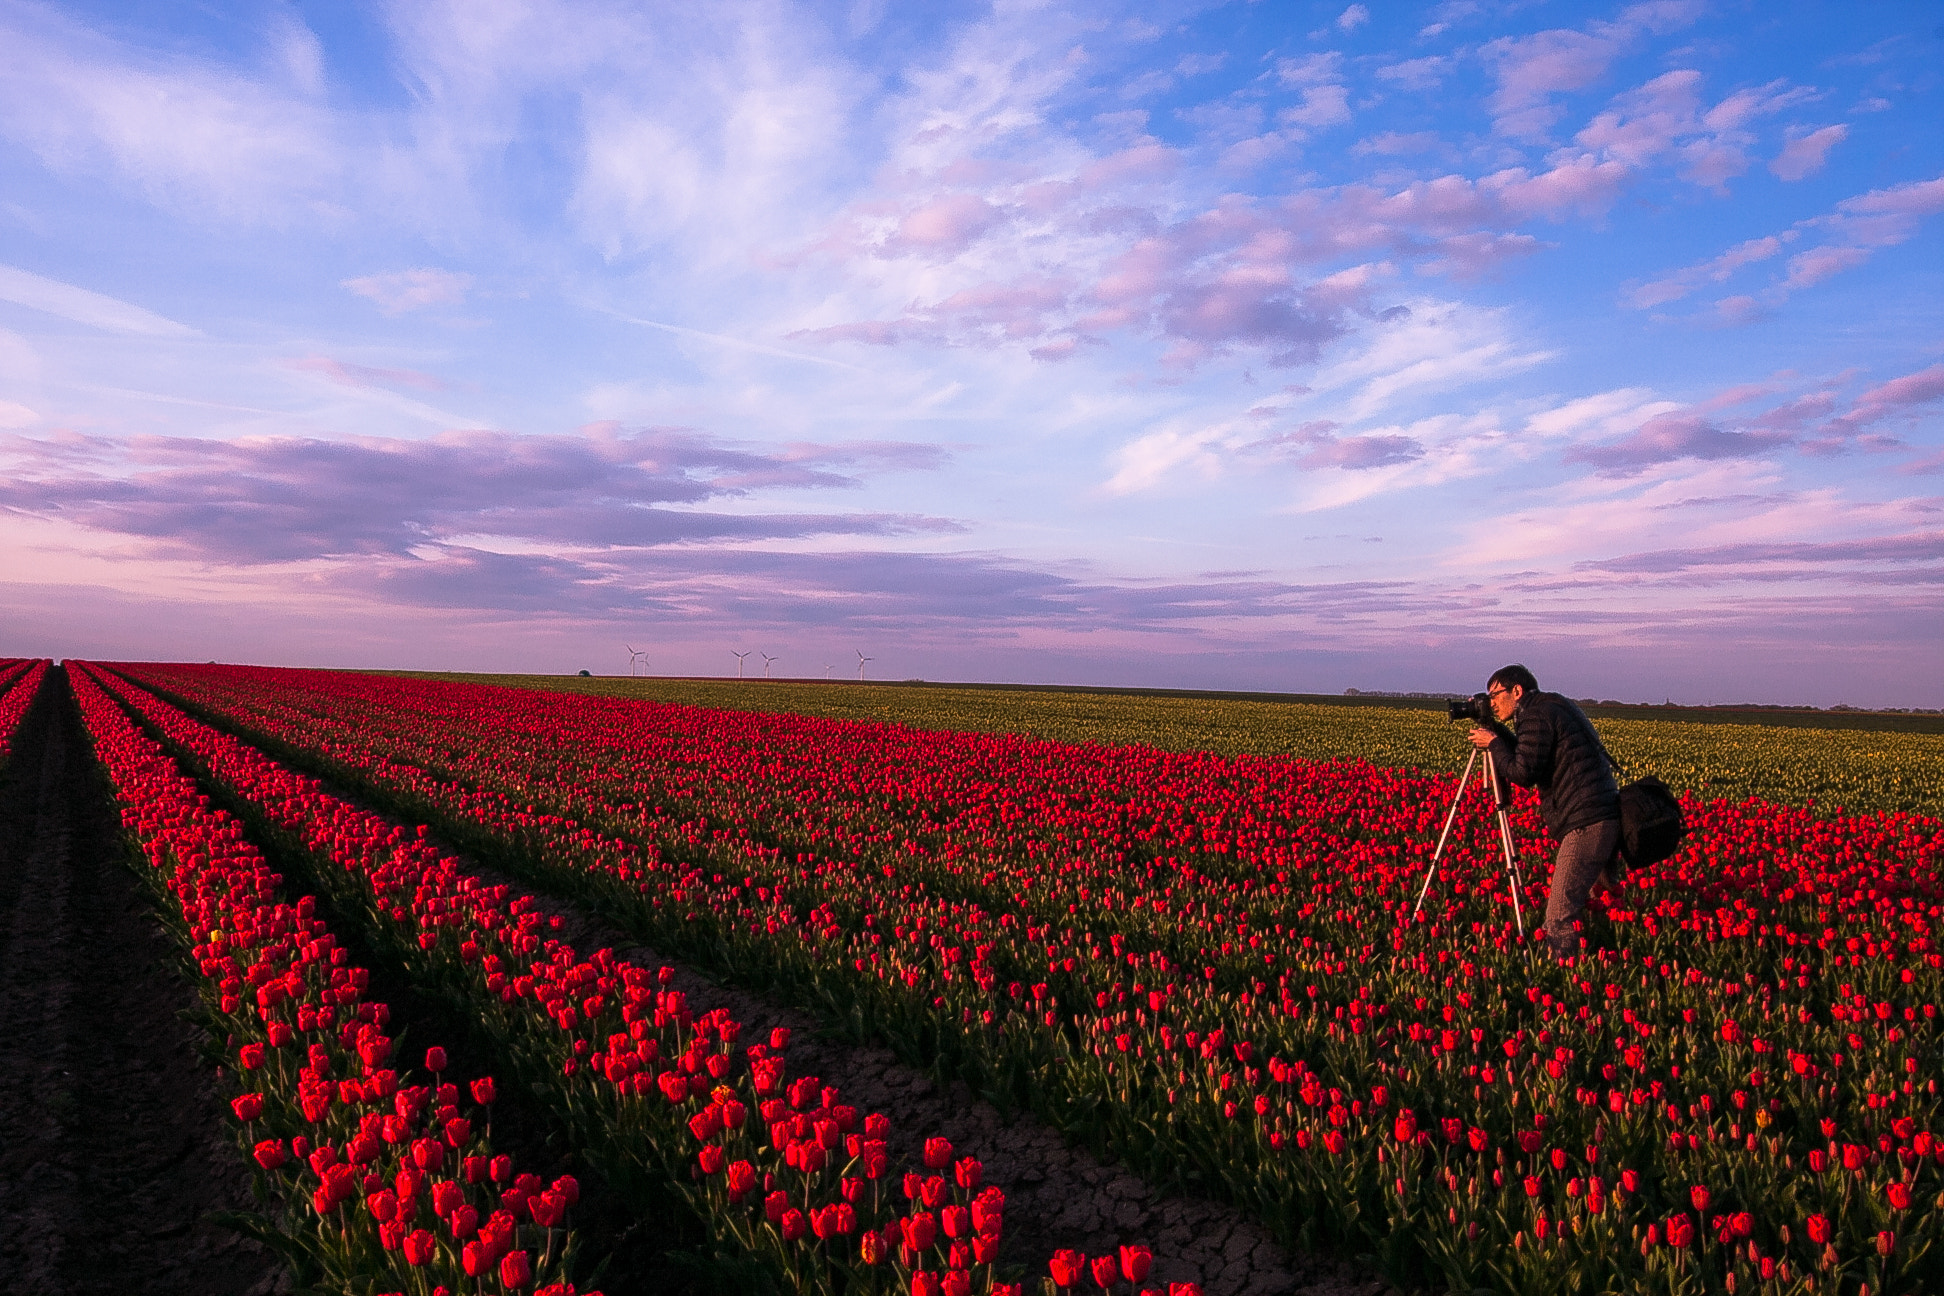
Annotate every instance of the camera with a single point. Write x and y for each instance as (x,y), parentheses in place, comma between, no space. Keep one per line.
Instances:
(1476,707)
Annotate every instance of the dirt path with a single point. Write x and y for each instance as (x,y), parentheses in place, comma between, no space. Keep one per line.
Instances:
(112,1141)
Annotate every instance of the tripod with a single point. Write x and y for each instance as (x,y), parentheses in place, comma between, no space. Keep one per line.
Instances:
(1502,799)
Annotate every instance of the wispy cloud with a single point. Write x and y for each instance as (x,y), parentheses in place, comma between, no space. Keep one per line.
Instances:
(83,307)
(408,290)
(282,499)
(200,138)
(357,375)
(1850,234)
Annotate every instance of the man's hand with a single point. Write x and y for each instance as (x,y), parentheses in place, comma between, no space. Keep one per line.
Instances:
(1481,737)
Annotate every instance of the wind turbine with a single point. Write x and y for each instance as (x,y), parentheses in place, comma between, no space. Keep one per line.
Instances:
(635,657)
(827,669)
(739,662)
(861,659)
(767,659)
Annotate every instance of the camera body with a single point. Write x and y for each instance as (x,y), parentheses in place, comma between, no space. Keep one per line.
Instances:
(1477,707)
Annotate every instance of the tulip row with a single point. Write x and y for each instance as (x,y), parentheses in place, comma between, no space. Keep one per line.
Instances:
(385,1182)
(664,1093)
(1897,764)
(20,683)
(1096,930)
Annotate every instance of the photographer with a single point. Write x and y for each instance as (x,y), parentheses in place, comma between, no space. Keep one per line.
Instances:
(1555,750)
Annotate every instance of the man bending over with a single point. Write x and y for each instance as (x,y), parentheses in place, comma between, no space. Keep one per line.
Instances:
(1551,746)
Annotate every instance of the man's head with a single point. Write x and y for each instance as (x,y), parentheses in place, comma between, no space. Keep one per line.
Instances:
(1507,688)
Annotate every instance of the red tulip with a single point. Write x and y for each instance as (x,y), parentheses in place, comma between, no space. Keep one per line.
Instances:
(420,1246)
(1067,1267)
(919,1231)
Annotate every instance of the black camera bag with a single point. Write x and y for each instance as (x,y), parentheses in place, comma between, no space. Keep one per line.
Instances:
(1651,825)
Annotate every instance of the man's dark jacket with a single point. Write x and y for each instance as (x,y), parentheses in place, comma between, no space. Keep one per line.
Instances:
(1556,751)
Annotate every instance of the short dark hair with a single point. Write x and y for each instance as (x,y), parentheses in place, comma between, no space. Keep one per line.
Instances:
(1513,677)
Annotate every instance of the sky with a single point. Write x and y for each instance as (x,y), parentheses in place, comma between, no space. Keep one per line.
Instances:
(1256,345)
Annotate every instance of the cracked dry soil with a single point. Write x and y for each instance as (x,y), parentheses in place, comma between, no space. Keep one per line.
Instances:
(114,1146)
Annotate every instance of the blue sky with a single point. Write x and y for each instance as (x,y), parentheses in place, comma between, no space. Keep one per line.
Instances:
(1250,345)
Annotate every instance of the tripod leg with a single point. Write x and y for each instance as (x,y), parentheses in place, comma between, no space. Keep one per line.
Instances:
(1512,868)
(1505,844)
(1450,816)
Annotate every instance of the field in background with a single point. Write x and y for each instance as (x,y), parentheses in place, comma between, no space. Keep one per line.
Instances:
(1830,759)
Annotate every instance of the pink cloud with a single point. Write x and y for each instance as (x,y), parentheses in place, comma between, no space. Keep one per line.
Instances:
(988,313)
(1803,157)
(1682,282)
(1681,434)
(1661,16)
(1531,69)
(410,290)
(869,332)
(1794,415)
(1890,399)
(1393,144)
(1323,105)
(1581,185)
(1711,164)
(1231,274)
(278,499)
(1884,217)
(1817,264)
(1912,389)
(1743,106)
(356,375)
(1470,256)
(1741,309)
(1854,231)
(1646,122)
(1415,74)
(1665,115)
(1325,99)
(946,225)
(1145,162)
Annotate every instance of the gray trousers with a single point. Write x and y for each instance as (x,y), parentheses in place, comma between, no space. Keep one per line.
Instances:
(1582,864)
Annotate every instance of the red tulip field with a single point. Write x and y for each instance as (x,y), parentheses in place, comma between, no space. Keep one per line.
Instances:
(1203,970)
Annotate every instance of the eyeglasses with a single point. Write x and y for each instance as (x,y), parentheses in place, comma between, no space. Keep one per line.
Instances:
(1496,690)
